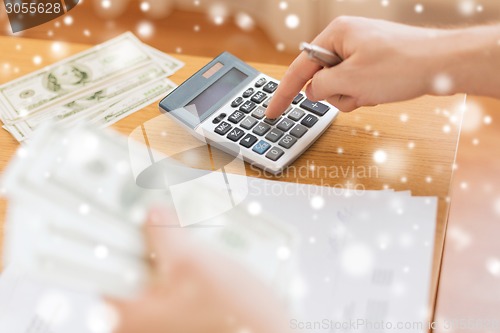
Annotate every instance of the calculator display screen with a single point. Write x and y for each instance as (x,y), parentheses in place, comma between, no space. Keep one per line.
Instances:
(217,91)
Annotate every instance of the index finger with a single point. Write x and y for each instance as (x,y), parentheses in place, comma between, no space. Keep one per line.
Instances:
(298,74)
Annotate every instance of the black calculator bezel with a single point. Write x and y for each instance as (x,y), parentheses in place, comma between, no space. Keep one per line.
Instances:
(175,102)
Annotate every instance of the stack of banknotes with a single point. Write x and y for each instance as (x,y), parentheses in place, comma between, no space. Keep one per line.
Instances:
(101,85)
(76,214)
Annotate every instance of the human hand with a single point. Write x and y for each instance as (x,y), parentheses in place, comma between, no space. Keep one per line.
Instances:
(194,290)
(383,62)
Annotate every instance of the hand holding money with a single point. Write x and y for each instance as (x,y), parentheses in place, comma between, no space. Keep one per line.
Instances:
(196,290)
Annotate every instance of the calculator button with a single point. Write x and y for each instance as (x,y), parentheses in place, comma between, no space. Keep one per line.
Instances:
(274,135)
(235,134)
(260,112)
(270,87)
(296,114)
(236,117)
(237,102)
(219,118)
(317,108)
(249,92)
(261,147)
(267,101)
(248,122)
(223,128)
(309,120)
(285,124)
(272,121)
(248,141)
(259,97)
(247,107)
(298,131)
(274,154)
(260,82)
(287,141)
(298,98)
(261,129)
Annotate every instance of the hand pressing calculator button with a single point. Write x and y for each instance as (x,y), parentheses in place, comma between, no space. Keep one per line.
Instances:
(230,98)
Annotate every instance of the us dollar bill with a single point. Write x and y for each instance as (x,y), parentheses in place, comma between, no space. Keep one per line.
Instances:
(91,102)
(25,96)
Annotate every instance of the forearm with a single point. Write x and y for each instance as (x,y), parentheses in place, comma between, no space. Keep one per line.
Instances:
(470,58)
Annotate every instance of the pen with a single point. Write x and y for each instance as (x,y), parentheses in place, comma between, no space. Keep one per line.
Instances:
(320,55)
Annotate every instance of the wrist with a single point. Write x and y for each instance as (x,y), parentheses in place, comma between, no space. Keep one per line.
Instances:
(464,62)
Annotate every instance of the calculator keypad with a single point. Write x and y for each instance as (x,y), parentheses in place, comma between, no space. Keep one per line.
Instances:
(236,117)
(276,135)
(248,106)
(261,129)
(249,122)
(235,134)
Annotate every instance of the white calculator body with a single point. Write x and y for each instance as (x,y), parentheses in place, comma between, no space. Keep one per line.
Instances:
(224,104)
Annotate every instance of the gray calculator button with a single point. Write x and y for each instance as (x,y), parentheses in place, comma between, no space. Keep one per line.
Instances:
(235,134)
(236,117)
(248,122)
(309,120)
(248,141)
(223,128)
(274,135)
(259,113)
(249,92)
(260,82)
(274,154)
(248,106)
(261,128)
(270,87)
(272,121)
(259,97)
(296,114)
(237,102)
(298,98)
(285,124)
(317,108)
(267,101)
(298,131)
(287,141)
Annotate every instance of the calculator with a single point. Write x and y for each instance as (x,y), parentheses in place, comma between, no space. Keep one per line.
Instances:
(224,105)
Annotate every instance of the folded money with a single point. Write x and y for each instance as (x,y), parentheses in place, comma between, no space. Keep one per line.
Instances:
(90,85)
(76,212)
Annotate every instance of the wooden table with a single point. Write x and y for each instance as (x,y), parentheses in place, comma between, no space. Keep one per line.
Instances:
(418,137)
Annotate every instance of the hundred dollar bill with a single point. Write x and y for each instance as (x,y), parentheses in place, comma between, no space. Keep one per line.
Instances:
(84,105)
(83,225)
(28,94)
(170,63)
